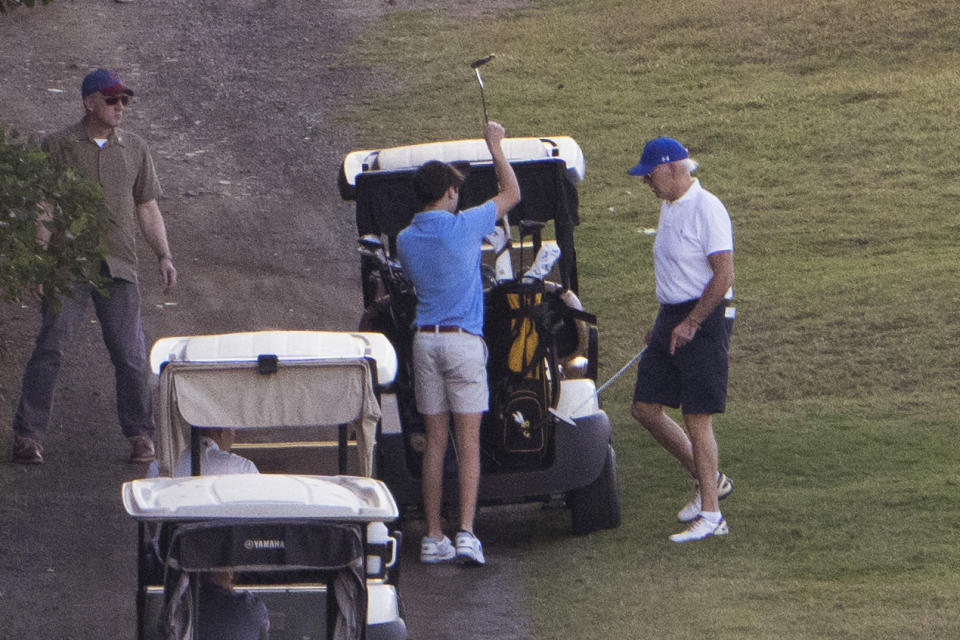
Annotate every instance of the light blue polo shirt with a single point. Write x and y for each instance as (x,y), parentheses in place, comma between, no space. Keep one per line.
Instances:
(440,253)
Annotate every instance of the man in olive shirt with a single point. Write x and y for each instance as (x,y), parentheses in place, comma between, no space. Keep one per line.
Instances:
(121,162)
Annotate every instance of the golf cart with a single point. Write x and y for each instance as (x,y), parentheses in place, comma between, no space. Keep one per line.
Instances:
(315,548)
(545,436)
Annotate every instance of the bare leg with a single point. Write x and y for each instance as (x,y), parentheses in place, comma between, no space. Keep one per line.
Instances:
(431,480)
(705,455)
(668,433)
(467,427)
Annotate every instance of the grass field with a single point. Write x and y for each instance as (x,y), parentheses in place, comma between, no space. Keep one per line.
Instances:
(829,129)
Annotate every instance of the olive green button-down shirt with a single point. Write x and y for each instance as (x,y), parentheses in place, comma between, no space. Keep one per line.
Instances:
(125,169)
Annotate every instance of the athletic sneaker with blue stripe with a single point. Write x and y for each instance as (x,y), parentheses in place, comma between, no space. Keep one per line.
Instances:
(469,550)
(700,529)
(433,551)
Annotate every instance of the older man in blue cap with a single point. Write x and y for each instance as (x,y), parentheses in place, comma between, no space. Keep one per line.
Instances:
(685,363)
(121,163)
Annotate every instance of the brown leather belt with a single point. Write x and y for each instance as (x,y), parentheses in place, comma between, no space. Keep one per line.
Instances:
(441,328)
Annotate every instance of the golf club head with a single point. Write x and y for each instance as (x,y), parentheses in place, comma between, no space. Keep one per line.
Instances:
(476,64)
(370,245)
(576,367)
(371,242)
(562,418)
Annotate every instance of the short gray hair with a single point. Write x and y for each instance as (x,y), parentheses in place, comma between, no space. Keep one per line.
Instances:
(689,164)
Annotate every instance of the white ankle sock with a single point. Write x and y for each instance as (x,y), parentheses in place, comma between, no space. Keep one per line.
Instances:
(713,517)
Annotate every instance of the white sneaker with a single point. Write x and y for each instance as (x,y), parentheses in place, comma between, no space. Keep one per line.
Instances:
(469,550)
(700,529)
(692,509)
(433,551)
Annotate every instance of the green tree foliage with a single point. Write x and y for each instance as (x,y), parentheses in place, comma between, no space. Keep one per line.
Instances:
(6,5)
(30,183)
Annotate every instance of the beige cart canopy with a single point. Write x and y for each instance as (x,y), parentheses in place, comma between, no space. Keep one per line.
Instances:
(270,379)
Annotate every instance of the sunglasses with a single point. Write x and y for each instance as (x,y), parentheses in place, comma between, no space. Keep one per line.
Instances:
(112,100)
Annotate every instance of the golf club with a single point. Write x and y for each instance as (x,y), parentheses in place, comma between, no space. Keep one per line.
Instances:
(569,419)
(475,65)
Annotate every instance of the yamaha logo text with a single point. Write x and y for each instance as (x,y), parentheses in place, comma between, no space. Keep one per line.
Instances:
(262,544)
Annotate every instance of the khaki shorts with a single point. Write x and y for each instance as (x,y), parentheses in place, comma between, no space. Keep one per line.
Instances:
(450,372)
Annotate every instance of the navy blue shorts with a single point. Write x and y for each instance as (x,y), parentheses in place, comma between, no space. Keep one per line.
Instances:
(695,377)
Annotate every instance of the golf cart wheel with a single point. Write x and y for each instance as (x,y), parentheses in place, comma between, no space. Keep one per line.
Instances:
(597,505)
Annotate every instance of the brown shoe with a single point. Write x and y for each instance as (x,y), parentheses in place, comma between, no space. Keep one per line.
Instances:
(27,450)
(142,449)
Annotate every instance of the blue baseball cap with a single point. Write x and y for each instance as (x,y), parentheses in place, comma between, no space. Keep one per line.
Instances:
(657,152)
(104,81)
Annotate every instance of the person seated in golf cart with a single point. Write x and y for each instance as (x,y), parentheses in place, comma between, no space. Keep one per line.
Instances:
(215,456)
(215,459)
(226,614)
(315,549)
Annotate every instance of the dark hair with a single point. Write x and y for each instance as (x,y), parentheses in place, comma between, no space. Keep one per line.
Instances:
(433,179)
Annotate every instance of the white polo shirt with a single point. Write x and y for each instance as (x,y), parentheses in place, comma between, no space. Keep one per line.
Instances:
(690,229)
(213,461)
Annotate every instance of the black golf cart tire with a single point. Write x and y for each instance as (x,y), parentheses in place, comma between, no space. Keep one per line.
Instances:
(597,505)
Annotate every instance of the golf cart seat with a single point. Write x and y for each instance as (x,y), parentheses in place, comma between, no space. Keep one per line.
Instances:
(313,549)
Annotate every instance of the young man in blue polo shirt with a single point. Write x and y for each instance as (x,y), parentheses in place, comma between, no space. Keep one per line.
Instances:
(440,252)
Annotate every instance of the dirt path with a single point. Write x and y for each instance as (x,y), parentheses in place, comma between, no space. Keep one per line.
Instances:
(239,101)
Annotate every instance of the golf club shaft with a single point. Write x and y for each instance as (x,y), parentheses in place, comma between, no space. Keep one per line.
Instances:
(607,383)
(475,65)
(622,370)
(483,100)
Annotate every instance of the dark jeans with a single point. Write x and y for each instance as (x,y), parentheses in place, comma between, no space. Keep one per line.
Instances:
(119,315)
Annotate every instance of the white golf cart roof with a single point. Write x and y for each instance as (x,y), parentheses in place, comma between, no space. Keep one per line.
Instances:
(349,498)
(473,151)
(287,346)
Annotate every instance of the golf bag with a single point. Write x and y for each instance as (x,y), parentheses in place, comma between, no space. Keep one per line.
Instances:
(529,327)
(529,330)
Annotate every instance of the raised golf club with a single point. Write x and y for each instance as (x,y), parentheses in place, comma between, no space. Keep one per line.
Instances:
(475,65)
